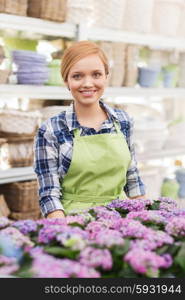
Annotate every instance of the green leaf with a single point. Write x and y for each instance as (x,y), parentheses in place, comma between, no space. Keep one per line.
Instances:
(152,273)
(75,224)
(25,265)
(162,249)
(121,249)
(127,271)
(155,205)
(180,258)
(62,252)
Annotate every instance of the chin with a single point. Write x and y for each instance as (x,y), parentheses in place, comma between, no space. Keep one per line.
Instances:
(88,101)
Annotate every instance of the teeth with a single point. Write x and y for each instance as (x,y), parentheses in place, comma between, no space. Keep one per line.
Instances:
(87,92)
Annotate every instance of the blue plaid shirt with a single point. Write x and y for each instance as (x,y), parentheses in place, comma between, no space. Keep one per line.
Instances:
(54,148)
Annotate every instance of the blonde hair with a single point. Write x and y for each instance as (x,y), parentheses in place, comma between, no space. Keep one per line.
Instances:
(78,51)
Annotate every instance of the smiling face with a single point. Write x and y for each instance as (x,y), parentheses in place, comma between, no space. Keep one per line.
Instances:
(87,80)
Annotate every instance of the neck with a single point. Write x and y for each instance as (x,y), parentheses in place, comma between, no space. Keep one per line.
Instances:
(87,112)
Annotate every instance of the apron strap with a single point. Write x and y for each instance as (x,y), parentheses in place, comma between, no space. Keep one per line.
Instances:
(117,127)
(77,132)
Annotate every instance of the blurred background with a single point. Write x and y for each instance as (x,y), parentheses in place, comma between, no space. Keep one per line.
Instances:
(145,44)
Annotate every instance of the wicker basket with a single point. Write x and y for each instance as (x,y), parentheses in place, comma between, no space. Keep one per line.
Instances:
(33,215)
(16,7)
(3,153)
(167,17)
(80,10)
(107,48)
(54,10)
(18,122)
(4,209)
(109,14)
(138,16)
(131,69)
(21,196)
(20,150)
(51,111)
(4,74)
(118,67)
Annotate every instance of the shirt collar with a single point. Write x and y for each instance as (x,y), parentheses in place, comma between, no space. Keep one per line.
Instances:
(71,118)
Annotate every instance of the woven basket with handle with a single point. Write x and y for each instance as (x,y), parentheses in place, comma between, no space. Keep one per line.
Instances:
(16,7)
(18,122)
(54,10)
(34,215)
(21,196)
(4,209)
(19,150)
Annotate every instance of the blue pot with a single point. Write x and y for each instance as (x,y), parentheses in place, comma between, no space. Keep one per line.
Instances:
(148,77)
(168,79)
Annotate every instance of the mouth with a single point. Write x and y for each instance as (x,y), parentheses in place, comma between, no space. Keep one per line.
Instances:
(88,93)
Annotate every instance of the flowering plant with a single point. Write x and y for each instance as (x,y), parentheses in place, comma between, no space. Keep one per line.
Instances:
(127,238)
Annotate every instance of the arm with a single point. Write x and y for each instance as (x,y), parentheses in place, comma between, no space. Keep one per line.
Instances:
(139,197)
(56,214)
(46,168)
(134,188)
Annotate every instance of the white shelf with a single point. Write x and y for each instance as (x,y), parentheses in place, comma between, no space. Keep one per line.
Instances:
(27,173)
(161,154)
(34,91)
(153,41)
(58,92)
(145,92)
(57,29)
(16,174)
(36,25)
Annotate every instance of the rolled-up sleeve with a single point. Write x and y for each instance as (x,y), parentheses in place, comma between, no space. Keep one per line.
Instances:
(134,186)
(46,168)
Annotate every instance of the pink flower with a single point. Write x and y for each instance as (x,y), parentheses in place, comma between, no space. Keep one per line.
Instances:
(47,266)
(148,216)
(94,227)
(4,222)
(94,257)
(132,228)
(176,226)
(146,262)
(16,236)
(8,265)
(108,238)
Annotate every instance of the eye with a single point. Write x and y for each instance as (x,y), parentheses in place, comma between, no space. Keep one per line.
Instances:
(97,75)
(77,76)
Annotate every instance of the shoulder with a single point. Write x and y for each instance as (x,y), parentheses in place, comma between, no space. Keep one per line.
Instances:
(119,114)
(54,127)
(54,124)
(122,115)
(125,121)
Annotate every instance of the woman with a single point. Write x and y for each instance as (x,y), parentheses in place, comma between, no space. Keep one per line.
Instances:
(85,156)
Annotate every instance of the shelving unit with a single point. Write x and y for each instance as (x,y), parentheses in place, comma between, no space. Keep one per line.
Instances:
(27,173)
(110,35)
(34,91)
(35,25)
(16,174)
(58,92)
(162,154)
(83,32)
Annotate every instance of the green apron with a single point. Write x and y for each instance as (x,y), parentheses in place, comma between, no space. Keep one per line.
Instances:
(97,173)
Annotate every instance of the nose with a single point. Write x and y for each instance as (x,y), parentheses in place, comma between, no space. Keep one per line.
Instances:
(87,81)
